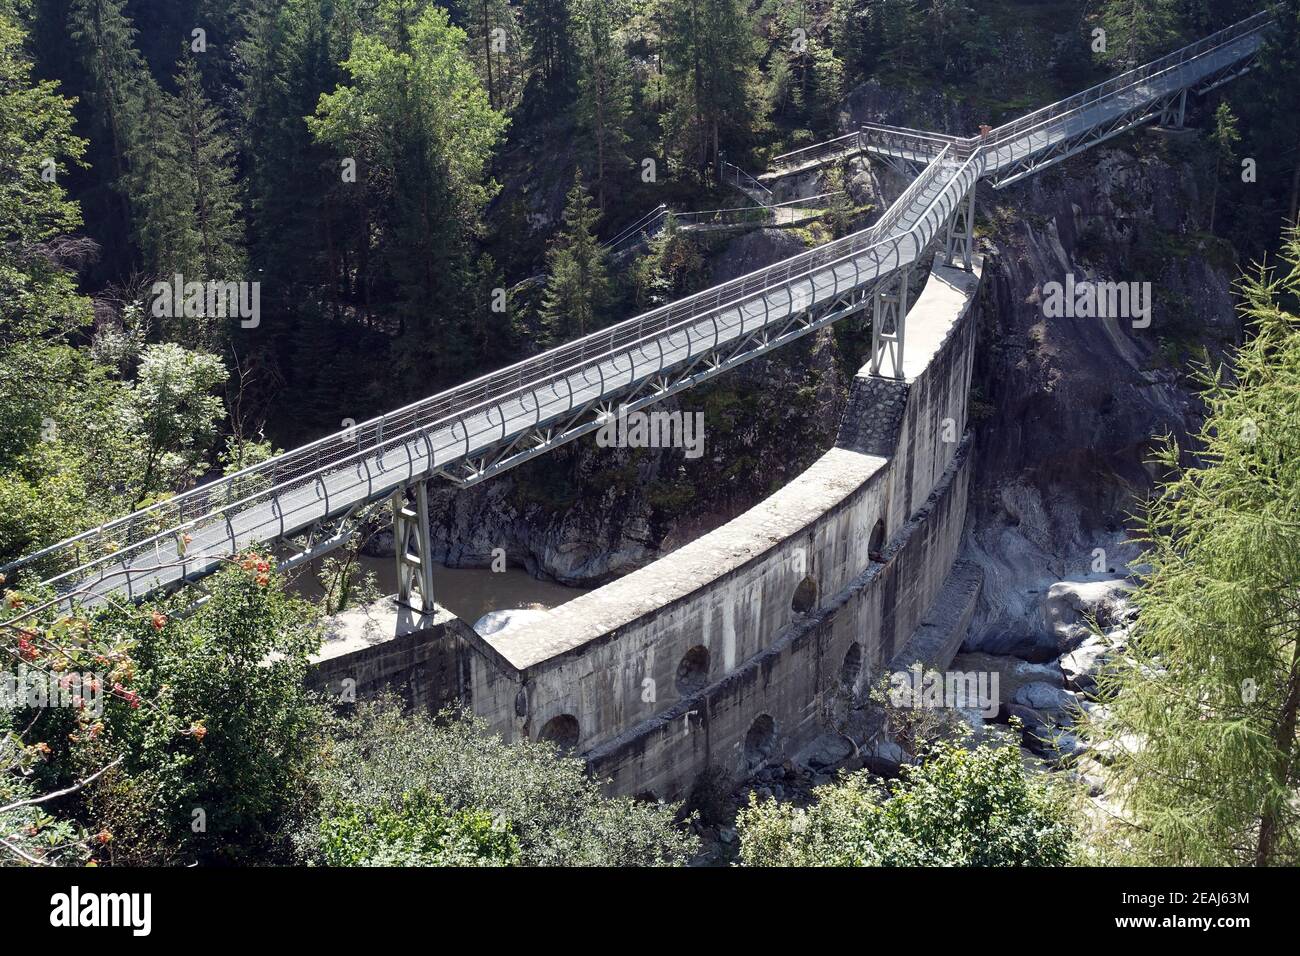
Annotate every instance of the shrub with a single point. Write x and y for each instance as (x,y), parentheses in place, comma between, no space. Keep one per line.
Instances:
(410,772)
(219,732)
(418,831)
(958,808)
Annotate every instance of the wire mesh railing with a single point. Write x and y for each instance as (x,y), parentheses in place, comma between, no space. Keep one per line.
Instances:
(291,489)
(848,143)
(211,513)
(732,175)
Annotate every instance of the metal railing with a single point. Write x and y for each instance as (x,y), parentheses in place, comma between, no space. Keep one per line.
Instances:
(733,175)
(650,220)
(1125,82)
(1171,71)
(901,140)
(847,143)
(160,527)
(782,213)
(221,510)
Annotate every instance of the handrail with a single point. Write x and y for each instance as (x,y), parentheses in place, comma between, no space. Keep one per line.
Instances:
(635,227)
(277,479)
(786,159)
(762,280)
(1134,76)
(740,175)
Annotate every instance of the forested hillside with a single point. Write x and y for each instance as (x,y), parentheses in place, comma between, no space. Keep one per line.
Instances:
(228,227)
(387,171)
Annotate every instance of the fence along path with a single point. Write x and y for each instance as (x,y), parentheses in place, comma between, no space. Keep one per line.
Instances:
(188,535)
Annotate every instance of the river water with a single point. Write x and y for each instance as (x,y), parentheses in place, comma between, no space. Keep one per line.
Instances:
(469,593)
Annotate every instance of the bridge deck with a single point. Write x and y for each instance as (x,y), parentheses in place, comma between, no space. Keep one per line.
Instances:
(445,443)
(141,553)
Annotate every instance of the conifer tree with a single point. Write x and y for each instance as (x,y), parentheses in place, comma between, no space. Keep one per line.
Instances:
(496,46)
(577,284)
(604,91)
(1137,30)
(1224,137)
(418,126)
(194,224)
(120,87)
(550,41)
(710,54)
(1201,727)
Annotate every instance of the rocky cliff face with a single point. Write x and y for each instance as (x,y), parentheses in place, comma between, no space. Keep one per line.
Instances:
(1068,408)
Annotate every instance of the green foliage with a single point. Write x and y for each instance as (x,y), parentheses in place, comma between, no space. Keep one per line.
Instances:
(1225,137)
(709,54)
(497,47)
(419,126)
(673,267)
(37,147)
(174,414)
(577,286)
(1137,30)
(1203,711)
(555,815)
(604,92)
(228,729)
(33,835)
(123,95)
(418,831)
(346,584)
(550,42)
(190,222)
(958,808)
(805,74)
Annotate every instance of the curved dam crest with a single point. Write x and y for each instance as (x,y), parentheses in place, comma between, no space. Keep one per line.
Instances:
(749,642)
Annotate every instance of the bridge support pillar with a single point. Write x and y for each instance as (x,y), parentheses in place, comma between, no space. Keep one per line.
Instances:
(414,567)
(961,232)
(1174,113)
(888,324)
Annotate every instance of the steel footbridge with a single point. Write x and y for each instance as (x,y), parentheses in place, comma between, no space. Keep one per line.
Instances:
(477,430)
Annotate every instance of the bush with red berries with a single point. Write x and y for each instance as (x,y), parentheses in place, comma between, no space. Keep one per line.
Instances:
(206,730)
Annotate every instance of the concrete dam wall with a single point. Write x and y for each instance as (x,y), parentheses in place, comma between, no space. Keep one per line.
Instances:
(748,642)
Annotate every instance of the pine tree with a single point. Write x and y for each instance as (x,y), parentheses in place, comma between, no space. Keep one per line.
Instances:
(421,132)
(496,45)
(120,86)
(577,284)
(208,160)
(193,222)
(1224,138)
(550,41)
(1138,30)
(1202,706)
(893,34)
(604,91)
(710,55)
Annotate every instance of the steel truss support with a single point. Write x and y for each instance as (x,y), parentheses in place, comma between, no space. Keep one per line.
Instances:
(889,323)
(414,567)
(662,384)
(1173,113)
(960,241)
